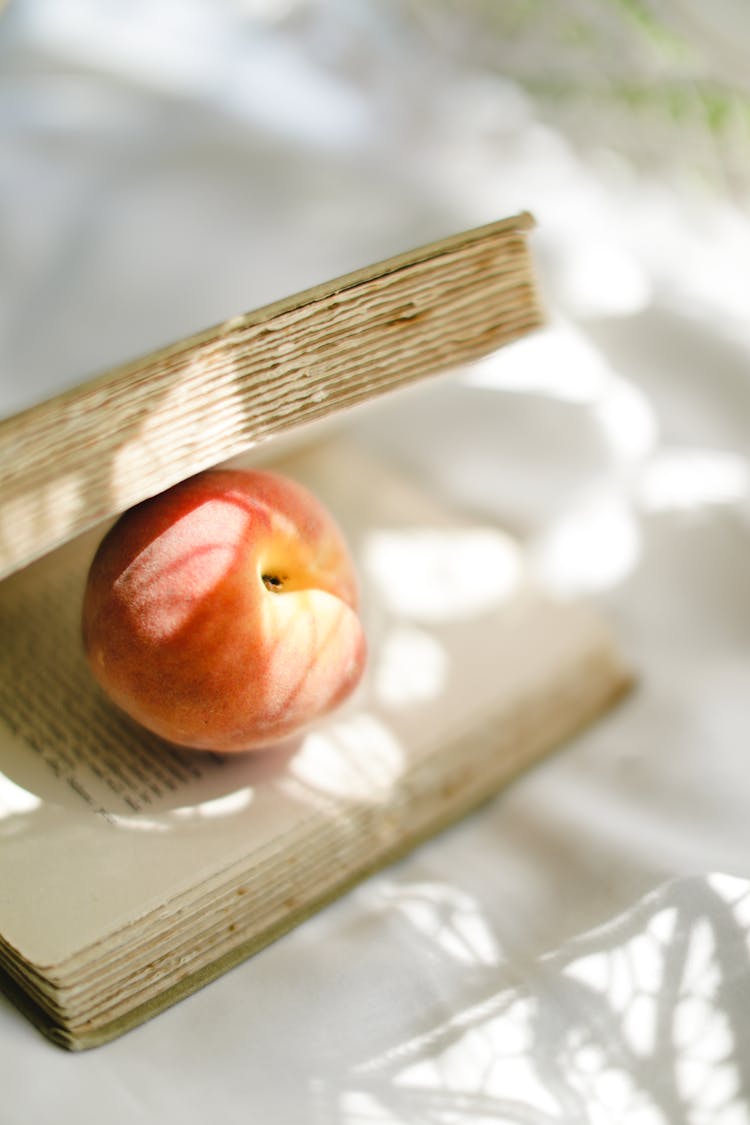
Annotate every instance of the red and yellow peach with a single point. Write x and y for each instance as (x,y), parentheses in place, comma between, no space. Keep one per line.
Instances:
(222,613)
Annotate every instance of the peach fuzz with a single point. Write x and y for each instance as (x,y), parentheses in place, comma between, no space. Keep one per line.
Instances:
(222,613)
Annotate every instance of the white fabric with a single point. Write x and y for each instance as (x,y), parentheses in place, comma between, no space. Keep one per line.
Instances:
(578,951)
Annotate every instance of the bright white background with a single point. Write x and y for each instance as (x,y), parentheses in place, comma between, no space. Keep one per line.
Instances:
(578,952)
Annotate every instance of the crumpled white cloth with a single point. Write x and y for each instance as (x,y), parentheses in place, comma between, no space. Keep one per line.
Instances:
(578,951)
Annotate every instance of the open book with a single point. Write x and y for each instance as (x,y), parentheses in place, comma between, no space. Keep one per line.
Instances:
(133,872)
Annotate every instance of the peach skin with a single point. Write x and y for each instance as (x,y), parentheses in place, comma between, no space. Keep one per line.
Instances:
(222,613)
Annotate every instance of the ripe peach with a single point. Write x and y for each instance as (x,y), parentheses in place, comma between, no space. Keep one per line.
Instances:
(222,613)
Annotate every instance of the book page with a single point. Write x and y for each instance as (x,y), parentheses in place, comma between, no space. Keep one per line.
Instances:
(85,455)
(101,822)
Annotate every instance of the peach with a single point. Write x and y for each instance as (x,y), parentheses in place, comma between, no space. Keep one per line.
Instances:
(222,613)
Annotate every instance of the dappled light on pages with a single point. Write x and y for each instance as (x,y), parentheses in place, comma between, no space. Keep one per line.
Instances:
(115,841)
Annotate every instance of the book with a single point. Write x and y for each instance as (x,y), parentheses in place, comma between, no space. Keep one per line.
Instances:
(93,451)
(133,872)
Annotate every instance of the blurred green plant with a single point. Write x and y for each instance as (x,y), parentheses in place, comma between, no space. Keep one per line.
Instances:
(662,82)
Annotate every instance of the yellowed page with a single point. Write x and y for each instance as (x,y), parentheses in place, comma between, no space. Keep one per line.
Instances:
(102,825)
